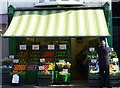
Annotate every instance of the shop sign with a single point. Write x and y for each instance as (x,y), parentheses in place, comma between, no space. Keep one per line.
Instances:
(62,46)
(22,47)
(41,68)
(65,70)
(42,60)
(35,47)
(51,47)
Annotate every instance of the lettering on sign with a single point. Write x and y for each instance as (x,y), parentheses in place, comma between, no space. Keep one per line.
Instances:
(35,47)
(62,46)
(51,47)
(22,47)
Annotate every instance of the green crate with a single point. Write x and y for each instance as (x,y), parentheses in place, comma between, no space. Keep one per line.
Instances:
(31,76)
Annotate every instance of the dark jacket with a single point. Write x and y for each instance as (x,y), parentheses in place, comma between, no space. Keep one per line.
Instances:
(103,53)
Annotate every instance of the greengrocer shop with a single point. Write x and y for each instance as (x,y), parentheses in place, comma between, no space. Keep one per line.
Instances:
(50,45)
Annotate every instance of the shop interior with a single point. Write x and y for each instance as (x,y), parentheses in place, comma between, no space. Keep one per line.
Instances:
(77,48)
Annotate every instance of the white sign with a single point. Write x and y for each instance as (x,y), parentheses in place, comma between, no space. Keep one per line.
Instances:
(41,68)
(11,56)
(62,46)
(22,47)
(15,61)
(51,47)
(93,61)
(65,70)
(35,47)
(42,60)
(15,79)
(115,59)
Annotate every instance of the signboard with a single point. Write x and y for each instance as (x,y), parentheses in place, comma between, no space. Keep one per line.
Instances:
(22,47)
(51,47)
(41,68)
(11,56)
(65,70)
(62,46)
(35,47)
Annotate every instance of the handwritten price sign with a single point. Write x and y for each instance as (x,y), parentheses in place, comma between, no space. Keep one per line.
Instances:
(35,47)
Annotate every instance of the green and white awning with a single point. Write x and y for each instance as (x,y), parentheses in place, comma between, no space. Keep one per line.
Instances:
(58,23)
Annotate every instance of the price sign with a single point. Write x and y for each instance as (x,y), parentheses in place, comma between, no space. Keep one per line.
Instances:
(62,46)
(41,68)
(42,60)
(11,56)
(35,47)
(65,70)
(22,47)
(51,47)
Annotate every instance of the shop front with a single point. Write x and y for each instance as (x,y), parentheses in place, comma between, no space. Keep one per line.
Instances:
(50,46)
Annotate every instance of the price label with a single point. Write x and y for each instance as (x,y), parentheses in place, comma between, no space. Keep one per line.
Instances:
(51,47)
(11,56)
(42,60)
(62,46)
(22,47)
(65,70)
(41,68)
(35,47)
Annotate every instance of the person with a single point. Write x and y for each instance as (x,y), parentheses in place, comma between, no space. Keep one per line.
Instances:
(103,60)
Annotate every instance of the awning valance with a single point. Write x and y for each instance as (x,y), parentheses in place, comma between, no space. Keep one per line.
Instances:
(58,23)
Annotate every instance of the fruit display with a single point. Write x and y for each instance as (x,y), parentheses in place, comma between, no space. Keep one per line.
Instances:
(49,67)
(19,67)
(61,53)
(17,72)
(49,53)
(63,73)
(93,68)
(45,72)
(32,67)
(49,60)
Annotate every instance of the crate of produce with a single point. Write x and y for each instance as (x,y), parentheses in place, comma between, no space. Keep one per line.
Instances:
(32,67)
(49,60)
(6,70)
(93,68)
(64,77)
(49,53)
(48,66)
(45,74)
(19,67)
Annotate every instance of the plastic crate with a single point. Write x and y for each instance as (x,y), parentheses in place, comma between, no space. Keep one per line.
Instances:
(44,81)
(93,83)
(115,83)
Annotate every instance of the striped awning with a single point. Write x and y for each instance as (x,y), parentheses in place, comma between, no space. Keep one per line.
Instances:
(58,23)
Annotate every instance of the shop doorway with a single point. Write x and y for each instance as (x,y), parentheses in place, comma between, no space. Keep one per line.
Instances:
(79,49)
